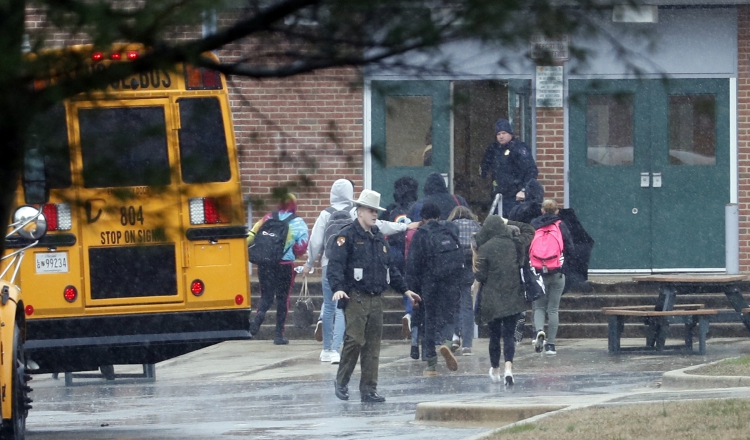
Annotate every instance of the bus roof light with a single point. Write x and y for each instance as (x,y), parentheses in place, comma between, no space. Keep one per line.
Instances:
(29,310)
(132,55)
(115,56)
(193,77)
(211,79)
(97,56)
(239,299)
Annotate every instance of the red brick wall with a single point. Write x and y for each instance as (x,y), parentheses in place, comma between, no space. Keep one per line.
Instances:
(550,152)
(743,138)
(304,131)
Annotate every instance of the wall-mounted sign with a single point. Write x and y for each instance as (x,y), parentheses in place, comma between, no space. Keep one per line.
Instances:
(556,47)
(549,86)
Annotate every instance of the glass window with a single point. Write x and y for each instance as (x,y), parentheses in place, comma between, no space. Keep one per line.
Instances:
(609,129)
(124,147)
(408,131)
(49,133)
(692,130)
(203,144)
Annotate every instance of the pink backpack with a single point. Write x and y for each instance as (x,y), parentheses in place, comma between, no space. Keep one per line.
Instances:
(545,252)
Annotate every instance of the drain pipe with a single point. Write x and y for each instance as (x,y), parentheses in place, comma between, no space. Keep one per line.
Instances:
(732,220)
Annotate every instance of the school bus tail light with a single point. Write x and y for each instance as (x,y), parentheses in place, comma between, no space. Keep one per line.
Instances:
(197,287)
(29,310)
(209,210)
(115,56)
(239,299)
(70,293)
(200,78)
(132,55)
(97,56)
(58,216)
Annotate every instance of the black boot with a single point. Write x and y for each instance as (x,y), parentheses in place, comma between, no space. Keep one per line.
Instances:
(415,352)
(280,339)
(256,323)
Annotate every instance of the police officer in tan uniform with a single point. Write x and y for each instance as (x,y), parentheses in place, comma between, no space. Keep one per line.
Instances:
(359,271)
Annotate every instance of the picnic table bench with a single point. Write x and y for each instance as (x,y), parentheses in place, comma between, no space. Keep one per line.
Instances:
(666,312)
(694,316)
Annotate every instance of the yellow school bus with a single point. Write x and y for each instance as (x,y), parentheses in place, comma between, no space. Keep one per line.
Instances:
(145,256)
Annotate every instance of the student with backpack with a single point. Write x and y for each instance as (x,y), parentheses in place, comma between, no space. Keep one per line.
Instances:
(551,242)
(275,241)
(329,223)
(467,225)
(433,269)
(404,196)
(501,300)
(436,191)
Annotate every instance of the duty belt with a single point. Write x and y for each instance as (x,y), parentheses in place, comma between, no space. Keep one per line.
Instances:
(362,292)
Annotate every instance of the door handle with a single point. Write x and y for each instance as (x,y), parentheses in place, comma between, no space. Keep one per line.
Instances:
(645,180)
(656,180)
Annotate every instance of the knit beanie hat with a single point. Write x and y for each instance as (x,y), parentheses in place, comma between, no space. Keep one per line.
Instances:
(503,125)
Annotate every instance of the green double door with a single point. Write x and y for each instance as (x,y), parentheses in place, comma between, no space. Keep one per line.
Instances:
(411,123)
(649,166)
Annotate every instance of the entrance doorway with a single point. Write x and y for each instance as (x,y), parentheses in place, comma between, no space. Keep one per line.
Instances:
(420,127)
(649,171)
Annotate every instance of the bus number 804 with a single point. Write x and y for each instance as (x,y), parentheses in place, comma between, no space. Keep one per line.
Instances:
(129,215)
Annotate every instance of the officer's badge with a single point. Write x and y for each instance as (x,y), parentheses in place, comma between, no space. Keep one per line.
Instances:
(385,250)
(340,241)
(507,152)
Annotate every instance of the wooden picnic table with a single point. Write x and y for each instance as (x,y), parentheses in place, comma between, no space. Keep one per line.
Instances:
(670,286)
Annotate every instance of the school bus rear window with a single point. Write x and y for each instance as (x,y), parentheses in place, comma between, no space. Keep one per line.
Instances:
(48,132)
(203,144)
(124,147)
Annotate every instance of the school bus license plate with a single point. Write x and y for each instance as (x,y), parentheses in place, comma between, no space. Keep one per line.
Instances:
(52,262)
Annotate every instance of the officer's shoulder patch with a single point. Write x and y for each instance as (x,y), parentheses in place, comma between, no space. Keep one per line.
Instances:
(523,151)
(341,240)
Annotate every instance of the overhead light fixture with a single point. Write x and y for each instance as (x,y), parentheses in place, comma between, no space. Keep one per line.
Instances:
(635,14)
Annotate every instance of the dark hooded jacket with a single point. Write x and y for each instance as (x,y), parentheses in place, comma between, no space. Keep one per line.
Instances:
(497,268)
(436,192)
(530,208)
(419,271)
(404,196)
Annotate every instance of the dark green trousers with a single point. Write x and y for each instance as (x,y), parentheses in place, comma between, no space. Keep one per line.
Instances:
(364,330)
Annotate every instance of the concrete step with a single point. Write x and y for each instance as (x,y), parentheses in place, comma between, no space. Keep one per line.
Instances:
(580,312)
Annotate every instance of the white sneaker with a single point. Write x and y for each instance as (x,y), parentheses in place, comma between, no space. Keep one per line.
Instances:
(494,377)
(335,357)
(538,342)
(325,356)
(508,378)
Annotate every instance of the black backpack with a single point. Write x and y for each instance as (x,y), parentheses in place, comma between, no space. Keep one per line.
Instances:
(446,257)
(269,245)
(338,220)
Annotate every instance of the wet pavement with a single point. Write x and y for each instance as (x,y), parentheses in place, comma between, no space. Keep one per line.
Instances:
(253,389)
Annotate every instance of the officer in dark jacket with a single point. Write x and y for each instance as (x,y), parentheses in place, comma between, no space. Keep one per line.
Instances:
(436,192)
(508,161)
(438,286)
(359,271)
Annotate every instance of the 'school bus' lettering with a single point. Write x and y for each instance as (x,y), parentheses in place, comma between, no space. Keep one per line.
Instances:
(145,221)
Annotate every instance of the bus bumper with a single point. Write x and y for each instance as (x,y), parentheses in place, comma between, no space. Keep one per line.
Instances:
(84,344)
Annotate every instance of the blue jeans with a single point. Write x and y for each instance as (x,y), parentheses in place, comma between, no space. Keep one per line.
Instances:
(465,319)
(334,324)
